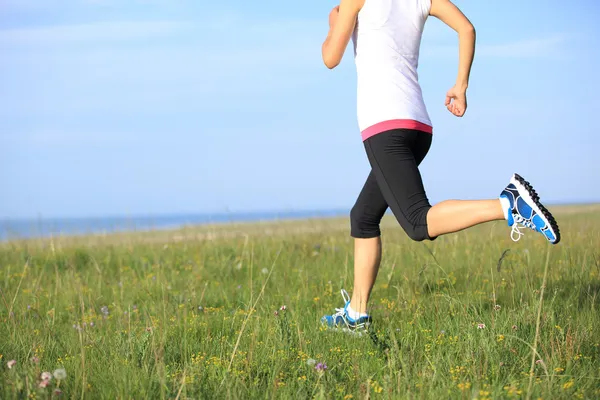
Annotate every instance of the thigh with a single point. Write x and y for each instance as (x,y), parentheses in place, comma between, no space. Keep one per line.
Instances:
(395,157)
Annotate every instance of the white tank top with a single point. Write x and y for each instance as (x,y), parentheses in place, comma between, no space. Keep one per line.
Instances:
(386,40)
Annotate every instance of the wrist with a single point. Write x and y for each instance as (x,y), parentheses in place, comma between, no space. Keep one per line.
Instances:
(462,85)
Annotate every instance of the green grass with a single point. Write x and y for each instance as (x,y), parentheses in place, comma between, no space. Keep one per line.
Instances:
(191,314)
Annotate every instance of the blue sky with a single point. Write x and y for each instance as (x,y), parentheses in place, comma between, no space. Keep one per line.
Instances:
(174,106)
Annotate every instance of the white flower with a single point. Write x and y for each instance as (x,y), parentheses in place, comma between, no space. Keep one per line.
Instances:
(46,376)
(265,271)
(11,363)
(481,326)
(60,374)
(311,361)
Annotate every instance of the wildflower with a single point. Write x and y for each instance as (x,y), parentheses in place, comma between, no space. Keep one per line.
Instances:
(539,362)
(239,286)
(497,307)
(11,363)
(28,307)
(568,384)
(92,324)
(321,367)
(514,327)
(46,376)
(265,271)
(480,326)
(283,308)
(311,361)
(558,370)
(57,392)
(200,308)
(104,310)
(43,383)
(35,360)
(60,374)
(276,313)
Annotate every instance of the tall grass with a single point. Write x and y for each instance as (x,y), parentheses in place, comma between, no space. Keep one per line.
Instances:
(198,314)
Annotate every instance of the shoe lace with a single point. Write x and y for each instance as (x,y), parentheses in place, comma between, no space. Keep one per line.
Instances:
(516,233)
(342,311)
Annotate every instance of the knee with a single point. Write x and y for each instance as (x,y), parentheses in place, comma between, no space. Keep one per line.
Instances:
(417,234)
(363,225)
(416,227)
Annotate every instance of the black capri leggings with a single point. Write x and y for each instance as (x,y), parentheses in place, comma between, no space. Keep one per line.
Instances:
(394,182)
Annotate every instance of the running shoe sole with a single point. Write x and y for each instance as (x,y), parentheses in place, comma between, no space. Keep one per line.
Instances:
(529,194)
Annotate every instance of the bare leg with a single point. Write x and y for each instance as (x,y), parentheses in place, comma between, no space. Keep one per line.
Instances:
(455,215)
(367,257)
(446,217)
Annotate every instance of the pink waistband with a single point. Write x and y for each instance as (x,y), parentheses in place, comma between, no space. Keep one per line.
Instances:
(395,124)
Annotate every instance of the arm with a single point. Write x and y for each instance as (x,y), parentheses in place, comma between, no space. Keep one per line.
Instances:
(342,21)
(448,13)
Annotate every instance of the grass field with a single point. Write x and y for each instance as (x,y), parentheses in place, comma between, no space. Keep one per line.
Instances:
(192,314)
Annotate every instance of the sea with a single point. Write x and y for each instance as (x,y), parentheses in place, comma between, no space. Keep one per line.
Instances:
(15,229)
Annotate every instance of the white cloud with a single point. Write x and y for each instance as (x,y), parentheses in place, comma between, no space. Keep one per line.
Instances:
(107,31)
(551,46)
(101,67)
(538,47)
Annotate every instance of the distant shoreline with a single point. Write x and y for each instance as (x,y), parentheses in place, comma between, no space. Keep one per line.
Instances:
(39,228)
(19,229)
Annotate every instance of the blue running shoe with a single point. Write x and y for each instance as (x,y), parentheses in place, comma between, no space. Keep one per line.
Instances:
(525,210)
(341,319)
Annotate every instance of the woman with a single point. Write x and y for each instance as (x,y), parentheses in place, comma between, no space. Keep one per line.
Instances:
(397,133)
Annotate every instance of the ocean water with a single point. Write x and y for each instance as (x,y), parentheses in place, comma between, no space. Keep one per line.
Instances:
(11,229)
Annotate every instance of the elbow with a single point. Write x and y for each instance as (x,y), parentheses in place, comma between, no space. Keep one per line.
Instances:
(331,64)
(330,60)
(468,30)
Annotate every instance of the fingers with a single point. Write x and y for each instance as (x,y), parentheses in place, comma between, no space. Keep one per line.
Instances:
(456,109)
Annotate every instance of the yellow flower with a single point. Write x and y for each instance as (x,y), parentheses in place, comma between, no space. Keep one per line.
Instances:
(348,396)
(316,299)
(558,370)
(500,338)
(568,385)
(464,386)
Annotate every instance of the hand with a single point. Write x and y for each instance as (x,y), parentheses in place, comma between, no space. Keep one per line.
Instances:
(333,16)
(456,101)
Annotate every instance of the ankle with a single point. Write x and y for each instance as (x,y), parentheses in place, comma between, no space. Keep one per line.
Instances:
(358,308)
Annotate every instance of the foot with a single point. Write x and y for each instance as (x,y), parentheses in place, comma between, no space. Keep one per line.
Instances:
(341,319)
(525,210)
